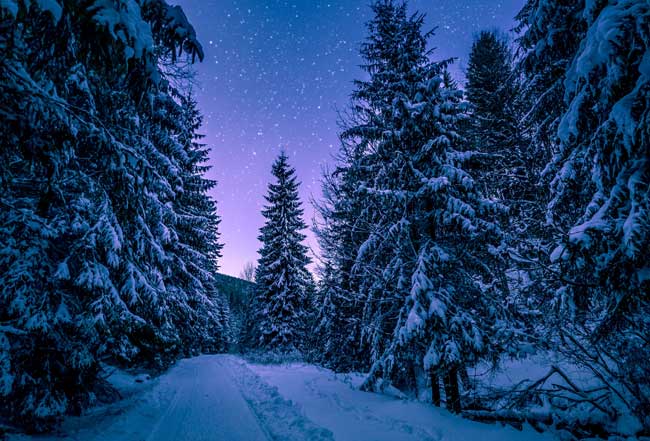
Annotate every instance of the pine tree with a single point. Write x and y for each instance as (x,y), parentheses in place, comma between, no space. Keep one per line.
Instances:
(507,166)
(423,268)
(339,305)
(95,262)
(592,59)
(197,226)
(507,169)
(282,277)
(394,52)
(545,60)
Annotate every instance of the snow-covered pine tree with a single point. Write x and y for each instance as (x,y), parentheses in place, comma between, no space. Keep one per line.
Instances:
(507,169)
(196,224)
(339,305)
(548,55)
(90,172)
(392,53)
(424,269)
(283,281)
(161,275)
(594,59)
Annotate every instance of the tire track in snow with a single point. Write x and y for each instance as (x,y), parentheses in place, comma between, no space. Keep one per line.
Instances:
(364,414)
(282,418)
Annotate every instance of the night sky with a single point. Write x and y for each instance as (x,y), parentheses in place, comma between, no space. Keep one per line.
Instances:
(274,75)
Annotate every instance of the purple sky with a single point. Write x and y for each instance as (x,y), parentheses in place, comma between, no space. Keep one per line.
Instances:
(274,75)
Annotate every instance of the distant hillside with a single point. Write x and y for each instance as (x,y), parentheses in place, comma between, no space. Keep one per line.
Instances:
(237,290)
(233,281)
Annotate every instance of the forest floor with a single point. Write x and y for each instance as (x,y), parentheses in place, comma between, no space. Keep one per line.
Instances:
(224,398)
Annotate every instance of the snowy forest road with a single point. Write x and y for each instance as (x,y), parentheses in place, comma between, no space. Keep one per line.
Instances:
(197,400)
(223,398)
(210,398)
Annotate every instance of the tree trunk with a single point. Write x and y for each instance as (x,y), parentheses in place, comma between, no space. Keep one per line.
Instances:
(445,383)
(414,379)
(452,392)
(464,379)
(435,388)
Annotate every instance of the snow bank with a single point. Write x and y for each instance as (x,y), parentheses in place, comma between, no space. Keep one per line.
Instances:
(130,387)
(333,401)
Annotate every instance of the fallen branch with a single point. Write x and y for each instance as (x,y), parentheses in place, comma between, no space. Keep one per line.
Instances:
(540,422)
(508,416)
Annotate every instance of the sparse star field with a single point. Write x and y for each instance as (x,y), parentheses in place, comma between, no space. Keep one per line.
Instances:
(276,74)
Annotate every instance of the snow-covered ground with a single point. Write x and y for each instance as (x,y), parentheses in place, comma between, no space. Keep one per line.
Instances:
(334,401)
(223,398)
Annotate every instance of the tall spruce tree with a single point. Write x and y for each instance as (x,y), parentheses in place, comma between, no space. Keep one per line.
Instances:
(593,58)
(507,169)
(495,127)
(197,226)
(422,269)
(283,281)
(394,54)
(544,91)
(338,324)
(96,259)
